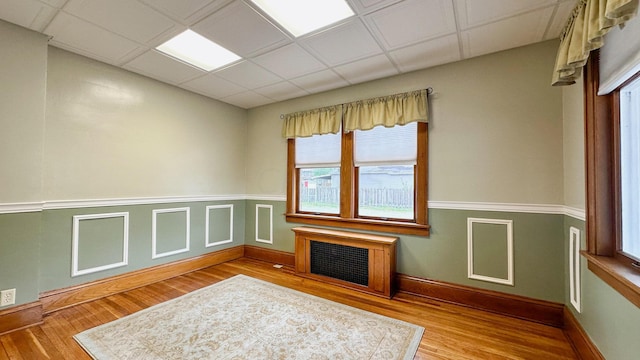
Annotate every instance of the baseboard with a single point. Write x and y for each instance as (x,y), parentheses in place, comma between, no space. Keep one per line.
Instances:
(20,317)
(540,311)
(579,339)
(63,298)
(269,255)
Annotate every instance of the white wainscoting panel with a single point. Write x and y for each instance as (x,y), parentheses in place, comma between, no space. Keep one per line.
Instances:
(509,234)
(154,252)
(208,227)
(574,268)
(270,208)
(77,219)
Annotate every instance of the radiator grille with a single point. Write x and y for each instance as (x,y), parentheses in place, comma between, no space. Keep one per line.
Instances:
(342,262)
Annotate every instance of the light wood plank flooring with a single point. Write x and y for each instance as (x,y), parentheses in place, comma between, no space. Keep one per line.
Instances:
(451,332)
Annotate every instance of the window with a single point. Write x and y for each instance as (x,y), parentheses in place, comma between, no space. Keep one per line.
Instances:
(611,160)
(384,159)
(630,168)
(379,184)
(318,163)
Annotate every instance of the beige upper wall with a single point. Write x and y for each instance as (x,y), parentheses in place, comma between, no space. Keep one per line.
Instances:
(23,66)
(573,134)
(111,133)
(495,134)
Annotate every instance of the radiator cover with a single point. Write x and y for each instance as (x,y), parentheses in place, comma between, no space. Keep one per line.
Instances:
(363,262)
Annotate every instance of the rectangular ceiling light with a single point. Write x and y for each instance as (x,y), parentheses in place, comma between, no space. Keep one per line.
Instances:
(198,51)
(300,17)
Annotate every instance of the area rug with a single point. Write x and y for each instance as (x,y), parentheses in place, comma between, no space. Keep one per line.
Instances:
(246,318)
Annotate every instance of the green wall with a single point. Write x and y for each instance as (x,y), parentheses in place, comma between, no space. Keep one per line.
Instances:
(19,254)
(538,249)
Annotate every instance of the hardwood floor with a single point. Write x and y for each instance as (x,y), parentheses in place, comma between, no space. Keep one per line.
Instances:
(451,332)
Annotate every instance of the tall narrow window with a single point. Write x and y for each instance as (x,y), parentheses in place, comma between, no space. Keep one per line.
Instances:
(318,165)
(385,159)
(630,168)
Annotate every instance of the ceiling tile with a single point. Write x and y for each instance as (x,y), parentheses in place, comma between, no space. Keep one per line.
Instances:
(372,68)
(247,99)
(55,3)
(76,35)
(241,29)
(473,13)
(30,14)
(282,91)
(162,67)
(289,61)
(506,34)
(427,54)
(248,75)
(563,11)
(186,11)
(412,21)
(366,6)
(213,86)
(320,81)
(127,18)
(342,44)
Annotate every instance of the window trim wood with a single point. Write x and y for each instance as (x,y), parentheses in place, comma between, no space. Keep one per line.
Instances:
(602,165)
(348,187)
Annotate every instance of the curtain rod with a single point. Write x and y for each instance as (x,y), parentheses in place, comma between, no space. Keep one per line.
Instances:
(429,92)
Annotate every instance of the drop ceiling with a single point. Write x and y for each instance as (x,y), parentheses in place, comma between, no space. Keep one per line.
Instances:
(384,38)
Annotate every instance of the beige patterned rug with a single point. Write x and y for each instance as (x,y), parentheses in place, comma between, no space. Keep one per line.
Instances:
(245,318)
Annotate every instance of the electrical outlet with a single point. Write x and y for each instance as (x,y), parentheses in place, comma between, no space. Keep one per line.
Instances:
(7,297)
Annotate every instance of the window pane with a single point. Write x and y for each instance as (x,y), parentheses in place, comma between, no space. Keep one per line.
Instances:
(320,190)
(630,167)
(386,191)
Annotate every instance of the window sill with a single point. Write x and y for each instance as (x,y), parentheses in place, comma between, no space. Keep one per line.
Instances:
(394,227)
(617,274)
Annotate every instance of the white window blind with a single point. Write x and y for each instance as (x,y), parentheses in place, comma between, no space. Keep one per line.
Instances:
(383,146)
(318,150)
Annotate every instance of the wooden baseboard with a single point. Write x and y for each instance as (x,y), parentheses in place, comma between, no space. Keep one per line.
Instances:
(268,255)
(63,298)
(540,311)
(579,339)
(20,317)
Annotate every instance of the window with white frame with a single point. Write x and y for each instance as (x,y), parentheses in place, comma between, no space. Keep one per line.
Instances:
(630,168)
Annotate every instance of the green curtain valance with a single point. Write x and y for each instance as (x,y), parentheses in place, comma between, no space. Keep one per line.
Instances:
(398,109)
(325,120)
(589,22)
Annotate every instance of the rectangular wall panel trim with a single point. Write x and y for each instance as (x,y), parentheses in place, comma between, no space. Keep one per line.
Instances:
(154,232)
(574,267)
(270,208)
(470,252)
(75,271)
(208,226)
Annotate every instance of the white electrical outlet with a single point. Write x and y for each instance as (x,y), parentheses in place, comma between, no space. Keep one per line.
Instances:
(7,297)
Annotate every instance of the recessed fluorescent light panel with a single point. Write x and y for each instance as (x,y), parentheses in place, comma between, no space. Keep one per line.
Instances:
(198,51)
(300,17)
